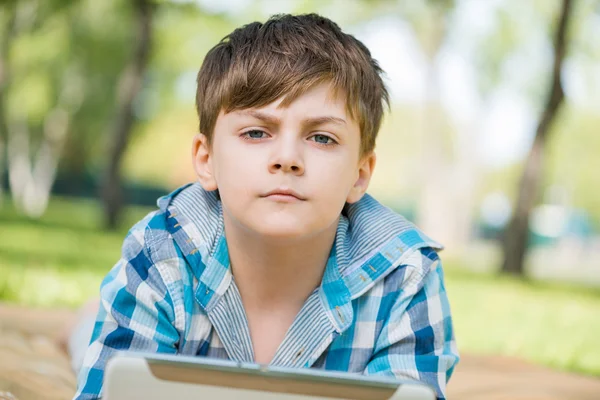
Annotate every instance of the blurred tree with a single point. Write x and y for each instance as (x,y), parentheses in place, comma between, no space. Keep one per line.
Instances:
(32,172)
(572,154)
(8,31)
(516,234)
(88,45)
(447,175)
(101,34)
(130,84)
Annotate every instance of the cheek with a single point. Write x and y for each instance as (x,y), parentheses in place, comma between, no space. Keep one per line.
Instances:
(336,181)
(234,168)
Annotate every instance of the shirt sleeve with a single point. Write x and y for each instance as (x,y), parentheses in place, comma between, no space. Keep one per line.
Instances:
(417,339)
(136,313)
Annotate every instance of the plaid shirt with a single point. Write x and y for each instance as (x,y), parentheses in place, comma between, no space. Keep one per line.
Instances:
(381,308)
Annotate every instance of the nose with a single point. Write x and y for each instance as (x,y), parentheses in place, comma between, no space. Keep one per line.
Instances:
(287,157)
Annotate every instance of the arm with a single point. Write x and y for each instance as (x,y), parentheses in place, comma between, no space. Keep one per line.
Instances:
(417,340)
(136,313)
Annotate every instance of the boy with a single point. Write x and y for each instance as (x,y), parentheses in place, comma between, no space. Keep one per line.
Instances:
(277,255)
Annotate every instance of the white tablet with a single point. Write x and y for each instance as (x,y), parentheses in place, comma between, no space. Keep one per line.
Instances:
(132,375)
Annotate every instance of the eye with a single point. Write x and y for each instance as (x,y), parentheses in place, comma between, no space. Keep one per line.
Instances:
(323,139)
(254,134)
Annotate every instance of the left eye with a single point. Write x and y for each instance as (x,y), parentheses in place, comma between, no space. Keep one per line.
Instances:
(254,134)
(322,139)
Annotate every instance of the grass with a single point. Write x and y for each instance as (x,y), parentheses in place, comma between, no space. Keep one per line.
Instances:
(61,260)
(547,323)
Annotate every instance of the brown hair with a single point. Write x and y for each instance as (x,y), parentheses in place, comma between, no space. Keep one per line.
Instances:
(284,57)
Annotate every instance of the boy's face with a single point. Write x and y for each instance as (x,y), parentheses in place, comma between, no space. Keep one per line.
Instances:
(285,172)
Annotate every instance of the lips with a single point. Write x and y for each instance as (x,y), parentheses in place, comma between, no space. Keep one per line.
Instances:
(283,193)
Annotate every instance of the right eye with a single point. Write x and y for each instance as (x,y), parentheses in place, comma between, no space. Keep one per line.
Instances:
(254,134)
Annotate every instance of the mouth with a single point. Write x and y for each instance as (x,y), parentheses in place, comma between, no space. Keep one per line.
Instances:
(284,194)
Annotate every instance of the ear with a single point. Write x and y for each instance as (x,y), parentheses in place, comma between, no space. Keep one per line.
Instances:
(365,171)
(202,160)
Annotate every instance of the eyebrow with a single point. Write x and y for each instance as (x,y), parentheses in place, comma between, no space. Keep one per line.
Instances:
(271,119)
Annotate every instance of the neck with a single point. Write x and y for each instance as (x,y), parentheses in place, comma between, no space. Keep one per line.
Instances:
(275,272)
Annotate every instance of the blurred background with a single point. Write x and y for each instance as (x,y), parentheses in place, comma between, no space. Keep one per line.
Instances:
(491,147)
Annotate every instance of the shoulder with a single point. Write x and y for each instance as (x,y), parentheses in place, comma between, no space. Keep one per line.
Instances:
(155,232)
(379,246)
(146,236)
(410,276)
(150,251)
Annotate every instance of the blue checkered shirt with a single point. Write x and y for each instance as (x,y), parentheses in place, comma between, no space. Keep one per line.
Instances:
(381,308)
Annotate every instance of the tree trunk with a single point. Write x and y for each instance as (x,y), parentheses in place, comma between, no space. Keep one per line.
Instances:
(516,234)
(31,182)
(130,84)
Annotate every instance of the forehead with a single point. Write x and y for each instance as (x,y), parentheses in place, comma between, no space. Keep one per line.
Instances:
(320,100)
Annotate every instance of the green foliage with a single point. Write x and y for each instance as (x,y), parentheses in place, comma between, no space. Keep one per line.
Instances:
(91,40)
(59,44)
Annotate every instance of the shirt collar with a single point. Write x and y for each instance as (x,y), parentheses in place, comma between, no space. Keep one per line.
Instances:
(371,240)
